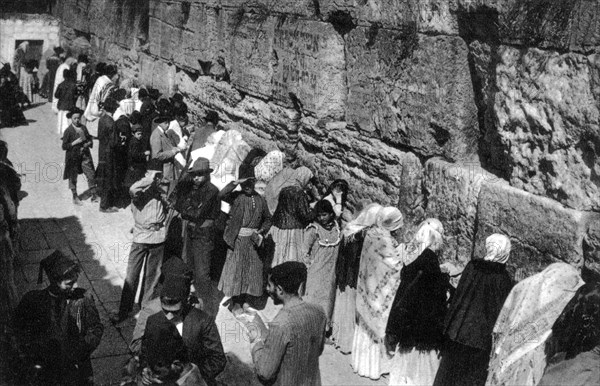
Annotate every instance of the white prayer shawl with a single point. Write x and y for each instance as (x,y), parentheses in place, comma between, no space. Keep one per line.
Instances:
(92,112)
(525,323)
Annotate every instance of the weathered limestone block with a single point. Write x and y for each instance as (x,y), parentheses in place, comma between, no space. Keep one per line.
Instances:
(427,16)
(412,90)
(558,24)
(157,73)
(591,244)
(452,190)
(251,54)
(541,230)
(308,62)
(547,116)
(306,8)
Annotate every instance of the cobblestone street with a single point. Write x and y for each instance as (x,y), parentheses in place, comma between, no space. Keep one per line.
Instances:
(100,242)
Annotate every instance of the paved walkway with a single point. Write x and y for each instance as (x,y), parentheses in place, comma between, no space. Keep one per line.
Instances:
(100,242)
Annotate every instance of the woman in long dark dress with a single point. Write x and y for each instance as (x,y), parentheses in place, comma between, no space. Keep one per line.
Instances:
(470,320)
(108,139)
(414,329)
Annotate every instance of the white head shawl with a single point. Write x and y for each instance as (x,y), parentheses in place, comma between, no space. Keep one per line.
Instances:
(389,218)
(365,219)
(497,248)
(430,234)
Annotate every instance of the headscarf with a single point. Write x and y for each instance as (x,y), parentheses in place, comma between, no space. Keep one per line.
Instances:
(430,234)
(525,323)
(229,154)
(269,166)
(497,248)
(365,219)
(389,218)
(379,273)
(126,107)
(287,177)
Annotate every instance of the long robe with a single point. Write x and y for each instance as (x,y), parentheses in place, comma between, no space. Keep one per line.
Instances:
(108,140)
(243,272)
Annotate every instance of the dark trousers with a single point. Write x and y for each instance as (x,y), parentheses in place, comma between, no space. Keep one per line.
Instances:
(108,198)
(153,255)
(87,165)
(200,246)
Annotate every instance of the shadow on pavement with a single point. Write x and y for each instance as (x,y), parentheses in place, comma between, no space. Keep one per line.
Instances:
(38,238)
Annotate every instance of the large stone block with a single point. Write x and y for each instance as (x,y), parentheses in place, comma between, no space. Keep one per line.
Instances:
(547,117)
(541,230)
(426,16)
(412,90)
(306,8)
(591,244)
(566,25)
(308,62)
(452,190)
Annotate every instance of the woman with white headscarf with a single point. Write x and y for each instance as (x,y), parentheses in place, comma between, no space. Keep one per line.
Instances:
(414,328)
(475,306)
(525,324)
(346,276)
(19,59)
(66,65)
(378,280)
(292,215)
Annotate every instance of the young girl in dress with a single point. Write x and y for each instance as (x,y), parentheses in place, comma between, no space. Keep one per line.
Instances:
(321,243)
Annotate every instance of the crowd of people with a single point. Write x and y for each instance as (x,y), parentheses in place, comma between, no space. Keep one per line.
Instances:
(200,195)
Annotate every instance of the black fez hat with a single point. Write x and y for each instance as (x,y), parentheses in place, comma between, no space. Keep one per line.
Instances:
(175,287)
(76,110)
(246,172)
(162,344)
(57,266)
(175,266)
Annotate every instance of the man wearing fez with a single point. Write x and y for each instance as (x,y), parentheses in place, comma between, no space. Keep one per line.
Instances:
(163,150)
(147,250)
(197,329)
(197,200)
(77,143)
(56,329)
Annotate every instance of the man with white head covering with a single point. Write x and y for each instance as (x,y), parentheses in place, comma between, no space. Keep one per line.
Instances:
(475,306)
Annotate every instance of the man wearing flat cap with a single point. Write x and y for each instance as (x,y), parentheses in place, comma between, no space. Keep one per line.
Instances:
(77,143)
(149,233)
(56,329)
(197,200)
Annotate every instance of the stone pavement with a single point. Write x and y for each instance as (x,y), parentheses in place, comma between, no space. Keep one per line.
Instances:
(100,242)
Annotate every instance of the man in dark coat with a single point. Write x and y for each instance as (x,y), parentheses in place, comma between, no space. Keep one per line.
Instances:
(77,143)
(199,332)
(197,200)
(108,139)
(56,329)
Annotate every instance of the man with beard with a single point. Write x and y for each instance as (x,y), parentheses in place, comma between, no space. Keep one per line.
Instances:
(287,353)
(197,200)
(56,329)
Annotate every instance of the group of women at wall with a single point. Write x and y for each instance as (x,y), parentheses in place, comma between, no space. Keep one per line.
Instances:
(396,312)
(391,305)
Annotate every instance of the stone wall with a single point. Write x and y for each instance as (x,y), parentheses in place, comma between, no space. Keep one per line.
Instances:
(16,26)
(483,113)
